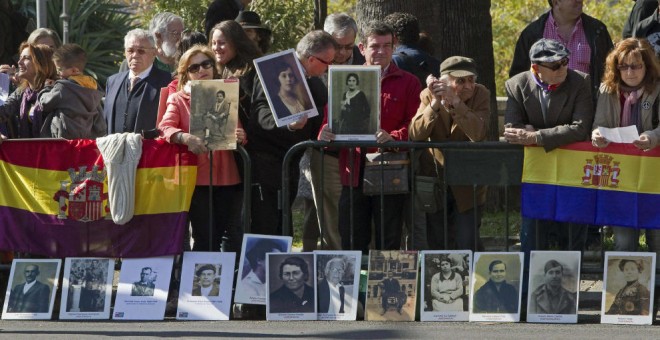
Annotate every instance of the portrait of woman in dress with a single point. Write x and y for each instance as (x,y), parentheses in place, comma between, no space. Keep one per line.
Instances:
(289,98)
(633,298)
(355,109)
(447,288)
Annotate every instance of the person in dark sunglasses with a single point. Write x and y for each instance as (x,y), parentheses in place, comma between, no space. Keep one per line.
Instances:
(550,105)
(198,63)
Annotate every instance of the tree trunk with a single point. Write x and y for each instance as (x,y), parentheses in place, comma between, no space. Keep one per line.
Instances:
(458,27)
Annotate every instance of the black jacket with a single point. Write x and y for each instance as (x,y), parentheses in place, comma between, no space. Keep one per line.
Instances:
(599,39)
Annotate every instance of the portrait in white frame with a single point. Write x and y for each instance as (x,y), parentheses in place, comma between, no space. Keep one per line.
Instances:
(31,289)
(87,288)
(354,101)
(338,283)
(445,285)
(495,291)
(143,288)
(291,285)
(554,286)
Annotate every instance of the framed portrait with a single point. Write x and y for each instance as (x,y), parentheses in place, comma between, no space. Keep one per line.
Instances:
(392,285)
(4,88)
(31,289)
(214,112)
(554,286)
(338,283)
(628,288)
(251,281)
(354,102)
(495,290)
(445,285)
(291,286)
(143,287)
(87,288)
(284,82)
(206,286)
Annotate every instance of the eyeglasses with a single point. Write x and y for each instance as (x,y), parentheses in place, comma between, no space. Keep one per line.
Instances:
(206,64)
(323,61)
(138,50)
(626,67)
(557,65)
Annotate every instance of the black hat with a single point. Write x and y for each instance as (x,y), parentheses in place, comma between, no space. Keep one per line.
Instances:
(547,51)
(249,19)
(458,66)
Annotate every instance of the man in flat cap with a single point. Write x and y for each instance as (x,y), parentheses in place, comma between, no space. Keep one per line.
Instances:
(453,108)
(551,297)
(550,105)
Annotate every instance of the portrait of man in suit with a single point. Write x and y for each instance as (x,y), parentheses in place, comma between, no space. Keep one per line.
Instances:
(334,295)
(31,296)
(206,281)
(146,286)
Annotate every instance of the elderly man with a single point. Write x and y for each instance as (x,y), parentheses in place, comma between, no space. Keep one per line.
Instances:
(586,37)
(132,97)
(399,101)
(166,29)
(453,108)
(550,105)
(333,295)
(268,143)
(344,29)
(496,295)
(206,285)
(146,286)
(31,296)
(551,297)
(295,295)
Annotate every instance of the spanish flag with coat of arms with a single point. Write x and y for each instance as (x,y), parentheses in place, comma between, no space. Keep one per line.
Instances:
(618,185)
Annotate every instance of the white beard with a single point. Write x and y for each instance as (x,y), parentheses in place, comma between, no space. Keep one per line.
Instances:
(169,48)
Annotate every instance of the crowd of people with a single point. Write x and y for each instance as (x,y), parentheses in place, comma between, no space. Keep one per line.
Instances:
(567,79)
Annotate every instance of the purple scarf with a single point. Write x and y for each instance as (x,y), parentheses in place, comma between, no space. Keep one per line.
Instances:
(29,123)
(631,108)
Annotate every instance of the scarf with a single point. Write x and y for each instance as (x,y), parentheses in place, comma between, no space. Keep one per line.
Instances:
(547,88)
(29,122)
(630,112)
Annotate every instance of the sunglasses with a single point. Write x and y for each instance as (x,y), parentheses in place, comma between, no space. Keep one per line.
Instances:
(626,67)
(206,64)
(557,65)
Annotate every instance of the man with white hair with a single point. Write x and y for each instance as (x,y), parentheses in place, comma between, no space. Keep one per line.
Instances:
(166,29)
(132,96)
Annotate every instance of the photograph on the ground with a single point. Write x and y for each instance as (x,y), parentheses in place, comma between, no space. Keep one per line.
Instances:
(354,101)
(554,286)
(143,287)
(291,287)
(392,285)
(284,82)
(338,282)
(214,112)
(445,285)
(251,280)
(31,289)
(496,286)
(206,286)
(87,288)
(628,288)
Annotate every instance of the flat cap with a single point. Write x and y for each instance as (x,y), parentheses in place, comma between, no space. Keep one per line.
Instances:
(547,51)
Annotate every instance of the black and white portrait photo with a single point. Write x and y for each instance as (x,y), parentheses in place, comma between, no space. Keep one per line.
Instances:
(143,287)
(496,284)
(445,277)
(354,101)
(337,284)
(554,286)
(392,285)
(628,288)
(31,290)
(207,279)
(214,112)
(206,285)
(291,286)
(87,288)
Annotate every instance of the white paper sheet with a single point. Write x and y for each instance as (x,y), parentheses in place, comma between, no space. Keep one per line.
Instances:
(626,134)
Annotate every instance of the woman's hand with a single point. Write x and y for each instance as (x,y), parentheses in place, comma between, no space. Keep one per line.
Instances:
(326,134)
(194,143)
(299,124)
(597,140)
(643,143)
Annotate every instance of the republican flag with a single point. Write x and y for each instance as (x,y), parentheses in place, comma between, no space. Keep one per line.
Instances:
(54,200)
(617,185)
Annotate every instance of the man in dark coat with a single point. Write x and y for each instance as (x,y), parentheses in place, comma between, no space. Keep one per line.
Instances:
(496,295)
(31,296)
(551,297)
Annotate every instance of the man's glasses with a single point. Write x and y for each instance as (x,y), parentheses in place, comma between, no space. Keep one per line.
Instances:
(139,50)
(557,65)
(626,67)
(323,61)
(206,64)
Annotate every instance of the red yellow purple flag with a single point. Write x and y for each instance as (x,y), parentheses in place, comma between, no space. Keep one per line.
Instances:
(54,200)
(617,185)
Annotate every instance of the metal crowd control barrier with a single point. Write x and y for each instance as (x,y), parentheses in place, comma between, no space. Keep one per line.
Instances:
(466,163)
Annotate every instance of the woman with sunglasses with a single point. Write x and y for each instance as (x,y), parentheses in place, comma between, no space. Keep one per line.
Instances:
(21,111)
(198,63)
(629,95)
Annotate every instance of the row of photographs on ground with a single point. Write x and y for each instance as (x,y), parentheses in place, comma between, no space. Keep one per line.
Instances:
(329,285)
(353,105)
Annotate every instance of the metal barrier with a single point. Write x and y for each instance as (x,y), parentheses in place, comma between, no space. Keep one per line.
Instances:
(466,163)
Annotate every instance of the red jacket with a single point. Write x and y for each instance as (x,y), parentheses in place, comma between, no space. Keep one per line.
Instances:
(399,100)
